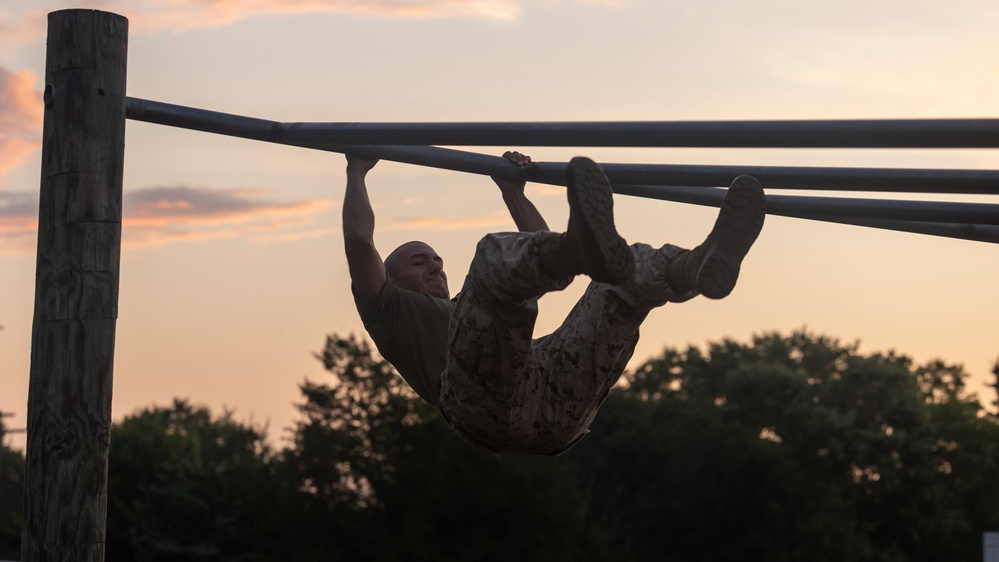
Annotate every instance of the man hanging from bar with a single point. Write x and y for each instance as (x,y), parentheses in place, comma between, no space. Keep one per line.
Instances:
(474,357)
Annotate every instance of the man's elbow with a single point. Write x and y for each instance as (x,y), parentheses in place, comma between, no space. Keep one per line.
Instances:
(358,234)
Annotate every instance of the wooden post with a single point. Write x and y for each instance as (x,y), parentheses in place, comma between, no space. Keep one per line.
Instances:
(76,287)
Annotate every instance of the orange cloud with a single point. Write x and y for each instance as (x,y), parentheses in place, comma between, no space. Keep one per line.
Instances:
(166,215)
(180,15)
(23,23)
(20,118)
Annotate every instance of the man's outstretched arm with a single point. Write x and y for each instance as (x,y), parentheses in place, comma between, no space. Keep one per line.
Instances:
(524,213)
(367,270)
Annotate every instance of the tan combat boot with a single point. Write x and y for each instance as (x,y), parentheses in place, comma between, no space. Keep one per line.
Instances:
(712,268)
(591,244)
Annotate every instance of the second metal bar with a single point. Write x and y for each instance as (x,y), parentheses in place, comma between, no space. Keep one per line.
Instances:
(853,133)
(774,177)
(846,211)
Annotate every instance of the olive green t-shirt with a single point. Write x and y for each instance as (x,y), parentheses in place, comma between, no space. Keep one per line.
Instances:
(410,331)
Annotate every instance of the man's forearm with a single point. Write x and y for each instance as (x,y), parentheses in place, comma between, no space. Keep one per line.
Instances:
(367,271)
(358,216)
(524,213)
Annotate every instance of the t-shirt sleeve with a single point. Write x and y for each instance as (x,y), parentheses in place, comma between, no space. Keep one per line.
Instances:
(410,331)
(378,313)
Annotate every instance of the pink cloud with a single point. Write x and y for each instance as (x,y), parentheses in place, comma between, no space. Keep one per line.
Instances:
(184,14)
(20,118)
(180,15)
(160,216)
(167,215)
(24,22)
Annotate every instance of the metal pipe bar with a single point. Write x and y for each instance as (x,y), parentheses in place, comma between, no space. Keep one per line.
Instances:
(967,181)
(894,180)
(855,133)
(274,132)
(915,133)
(883,209)
(806,208)
(973,232)
(774,177)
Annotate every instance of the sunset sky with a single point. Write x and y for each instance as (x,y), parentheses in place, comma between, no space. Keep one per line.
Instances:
(232,264)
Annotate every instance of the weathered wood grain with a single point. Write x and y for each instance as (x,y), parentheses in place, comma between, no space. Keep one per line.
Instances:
(76,287)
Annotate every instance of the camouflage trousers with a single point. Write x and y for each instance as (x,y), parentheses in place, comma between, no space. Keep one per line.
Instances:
(505,391)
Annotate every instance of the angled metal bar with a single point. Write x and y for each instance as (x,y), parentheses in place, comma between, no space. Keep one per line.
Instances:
(957,181)
(893,180)
(274,132)
(817,209)
(974,232)
(774,177)
(854,133)
(789,205)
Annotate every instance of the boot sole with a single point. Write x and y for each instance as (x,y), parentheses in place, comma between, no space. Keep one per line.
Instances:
(608,257)
(739,224)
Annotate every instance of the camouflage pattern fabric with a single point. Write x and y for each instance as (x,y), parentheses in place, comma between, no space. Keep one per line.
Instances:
(506,392)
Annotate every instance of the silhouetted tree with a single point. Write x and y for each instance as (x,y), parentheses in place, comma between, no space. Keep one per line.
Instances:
(11,492)
(184,485)
(386,479)
(785,448)
(794,448)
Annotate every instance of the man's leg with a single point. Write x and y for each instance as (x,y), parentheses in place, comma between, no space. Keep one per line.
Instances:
(712,268)
(507,395)
(591,244)
(491,385)
(584,358)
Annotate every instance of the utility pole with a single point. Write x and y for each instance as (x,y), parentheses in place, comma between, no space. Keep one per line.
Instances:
(76,288)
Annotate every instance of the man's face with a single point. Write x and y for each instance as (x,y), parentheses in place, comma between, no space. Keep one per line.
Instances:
(416,267)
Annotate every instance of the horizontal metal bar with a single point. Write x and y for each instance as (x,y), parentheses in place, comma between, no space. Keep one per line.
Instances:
(855,133)
(773,177)
(894,180)
(817,208)
(974,232)
(271,131)
(867,179)
(916,133)
(788,205)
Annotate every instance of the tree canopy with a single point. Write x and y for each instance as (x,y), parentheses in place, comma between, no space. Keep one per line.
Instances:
(787,447)
(798,447)
(11,485)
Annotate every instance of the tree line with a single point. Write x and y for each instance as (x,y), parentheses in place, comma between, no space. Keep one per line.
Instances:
(788,447)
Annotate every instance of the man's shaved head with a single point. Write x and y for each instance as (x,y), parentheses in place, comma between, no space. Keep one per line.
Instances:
(393,260)
(415,266)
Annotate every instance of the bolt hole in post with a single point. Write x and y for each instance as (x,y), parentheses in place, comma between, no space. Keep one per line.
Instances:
(49,94)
